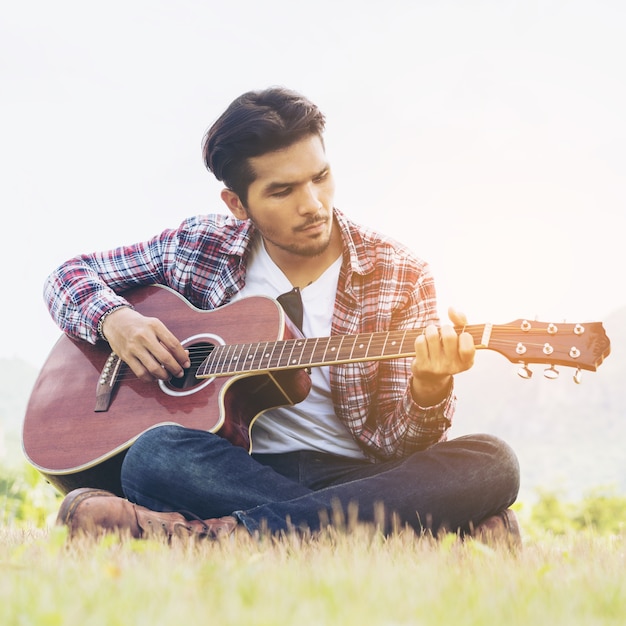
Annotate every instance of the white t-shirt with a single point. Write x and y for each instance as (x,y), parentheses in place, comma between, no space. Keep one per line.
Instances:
(311,424)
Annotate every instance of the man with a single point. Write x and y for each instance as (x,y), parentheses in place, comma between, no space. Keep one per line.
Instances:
(369,437)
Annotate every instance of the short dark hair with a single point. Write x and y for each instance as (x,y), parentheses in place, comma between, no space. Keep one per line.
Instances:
(255,123)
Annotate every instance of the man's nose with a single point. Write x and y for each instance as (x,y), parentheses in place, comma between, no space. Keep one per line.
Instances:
(308,200)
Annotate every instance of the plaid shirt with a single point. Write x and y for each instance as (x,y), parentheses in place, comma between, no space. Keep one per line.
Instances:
(382,287)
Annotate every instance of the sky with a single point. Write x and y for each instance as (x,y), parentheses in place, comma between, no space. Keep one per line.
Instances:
(488,136)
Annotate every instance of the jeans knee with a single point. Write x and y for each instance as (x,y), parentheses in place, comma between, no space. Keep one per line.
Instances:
(505,461)
(144,450)
(150,458)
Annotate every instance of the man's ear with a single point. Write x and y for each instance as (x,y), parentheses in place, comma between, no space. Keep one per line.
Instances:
(234,204)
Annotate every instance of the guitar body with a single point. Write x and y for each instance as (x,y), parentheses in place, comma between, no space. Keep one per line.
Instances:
(74,445)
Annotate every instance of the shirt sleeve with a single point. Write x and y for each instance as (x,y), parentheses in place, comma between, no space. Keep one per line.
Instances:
(83,289)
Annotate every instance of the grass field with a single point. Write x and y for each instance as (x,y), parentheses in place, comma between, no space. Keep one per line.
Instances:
(341,578)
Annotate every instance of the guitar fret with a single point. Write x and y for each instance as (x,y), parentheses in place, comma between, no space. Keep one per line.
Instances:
(226,359)
(267,354)
(384,348)
(233,357)
(392,343)
(360,346)
(253,350)
(240,361)
(297,352)
(405,348)
(287,352)
(369,345)
(308,349)
(263,355)
(334,348)
(249,363)
(255,362)
(277,353)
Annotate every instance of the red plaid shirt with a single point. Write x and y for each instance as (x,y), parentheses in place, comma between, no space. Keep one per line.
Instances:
(382,287)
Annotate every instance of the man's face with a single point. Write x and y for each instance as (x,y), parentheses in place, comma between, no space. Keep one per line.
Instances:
(291,199)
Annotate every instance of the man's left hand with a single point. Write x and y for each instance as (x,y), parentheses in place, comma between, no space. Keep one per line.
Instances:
(440,352)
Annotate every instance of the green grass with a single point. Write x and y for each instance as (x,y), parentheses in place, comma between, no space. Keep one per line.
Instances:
(341,578)
(571,571)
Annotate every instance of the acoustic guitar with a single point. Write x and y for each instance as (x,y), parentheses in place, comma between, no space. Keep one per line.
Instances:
(87,408)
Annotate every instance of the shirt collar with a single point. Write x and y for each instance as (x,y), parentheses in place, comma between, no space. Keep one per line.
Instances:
(353,237)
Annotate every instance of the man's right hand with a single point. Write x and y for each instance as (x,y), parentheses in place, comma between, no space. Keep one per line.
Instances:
(145,345)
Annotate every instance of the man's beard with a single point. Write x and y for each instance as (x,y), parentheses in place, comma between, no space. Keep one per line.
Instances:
(312,249)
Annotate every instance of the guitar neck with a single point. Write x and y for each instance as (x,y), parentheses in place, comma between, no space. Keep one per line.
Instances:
(228,360)
(583,346)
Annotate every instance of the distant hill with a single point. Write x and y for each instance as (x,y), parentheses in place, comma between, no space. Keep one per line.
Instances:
(569,438)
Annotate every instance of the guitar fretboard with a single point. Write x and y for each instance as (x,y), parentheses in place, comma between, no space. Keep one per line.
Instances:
(227,360)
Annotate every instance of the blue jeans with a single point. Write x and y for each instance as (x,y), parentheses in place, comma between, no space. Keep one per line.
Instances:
(452,485)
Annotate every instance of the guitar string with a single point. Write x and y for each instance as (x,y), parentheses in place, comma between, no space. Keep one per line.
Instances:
(204,351)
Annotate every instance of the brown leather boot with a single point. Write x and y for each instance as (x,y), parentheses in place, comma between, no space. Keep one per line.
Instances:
(501,529)
(94,512)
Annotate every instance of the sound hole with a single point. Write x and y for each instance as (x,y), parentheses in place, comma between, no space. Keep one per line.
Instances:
(197,353)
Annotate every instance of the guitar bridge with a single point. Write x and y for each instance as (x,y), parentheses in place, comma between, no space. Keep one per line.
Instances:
(106,383)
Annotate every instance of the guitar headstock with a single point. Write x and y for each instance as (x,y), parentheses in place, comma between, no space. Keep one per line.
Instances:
(583,346)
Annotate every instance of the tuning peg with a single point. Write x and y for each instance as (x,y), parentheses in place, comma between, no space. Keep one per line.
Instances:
(551,373)
(525,372)
(578,376)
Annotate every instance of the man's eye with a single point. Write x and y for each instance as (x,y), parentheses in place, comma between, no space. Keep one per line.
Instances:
(281,194)
(323,176)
